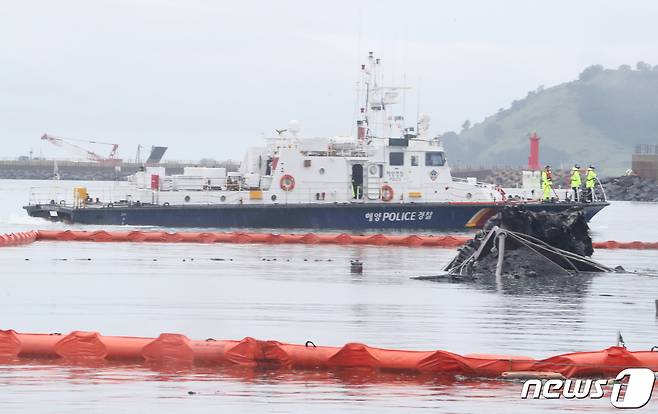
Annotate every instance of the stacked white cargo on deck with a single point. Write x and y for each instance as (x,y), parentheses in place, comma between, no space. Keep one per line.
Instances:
(178,188)
(192,179)
(199,178)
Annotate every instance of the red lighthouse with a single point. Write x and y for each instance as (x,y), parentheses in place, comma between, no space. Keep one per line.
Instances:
(533,159)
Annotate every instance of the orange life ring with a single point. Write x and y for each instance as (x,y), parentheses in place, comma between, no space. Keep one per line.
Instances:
(387,192)
(287,182)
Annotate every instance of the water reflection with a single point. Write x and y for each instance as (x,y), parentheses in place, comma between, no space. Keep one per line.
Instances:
(570,288)
(28,371)
(233,291)
(250,390)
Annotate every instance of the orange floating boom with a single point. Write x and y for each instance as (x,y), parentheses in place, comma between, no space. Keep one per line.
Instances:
(634,245)
(243,237)
(91,347)
(16,239)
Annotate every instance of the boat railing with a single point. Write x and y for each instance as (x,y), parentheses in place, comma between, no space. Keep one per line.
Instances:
(64,195)
(244,196)
(50,195)
(604,196)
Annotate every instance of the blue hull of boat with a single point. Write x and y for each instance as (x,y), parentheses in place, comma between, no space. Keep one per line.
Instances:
(328,216)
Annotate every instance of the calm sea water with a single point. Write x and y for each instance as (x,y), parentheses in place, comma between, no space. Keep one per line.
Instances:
(307,293)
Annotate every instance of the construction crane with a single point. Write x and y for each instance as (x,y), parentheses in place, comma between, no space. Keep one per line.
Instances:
(69,145)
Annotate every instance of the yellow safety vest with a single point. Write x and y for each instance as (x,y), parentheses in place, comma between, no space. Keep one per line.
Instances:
(575,178)
(591,179)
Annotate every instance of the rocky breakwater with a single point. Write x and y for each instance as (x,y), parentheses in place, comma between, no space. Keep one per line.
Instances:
(631,188)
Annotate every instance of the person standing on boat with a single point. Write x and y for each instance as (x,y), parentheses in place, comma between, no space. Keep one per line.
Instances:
(575,182)
(547,182)
(590,182)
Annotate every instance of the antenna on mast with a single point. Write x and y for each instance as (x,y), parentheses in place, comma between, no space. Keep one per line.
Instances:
(418,103)
(404,95)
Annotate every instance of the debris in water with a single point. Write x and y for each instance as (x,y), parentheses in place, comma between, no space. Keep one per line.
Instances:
(525,243)
(356,266)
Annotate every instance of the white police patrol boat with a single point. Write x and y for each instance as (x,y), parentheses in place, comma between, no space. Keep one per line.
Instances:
(388,176)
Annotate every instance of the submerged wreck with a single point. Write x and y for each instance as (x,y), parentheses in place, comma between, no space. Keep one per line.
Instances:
(518,242)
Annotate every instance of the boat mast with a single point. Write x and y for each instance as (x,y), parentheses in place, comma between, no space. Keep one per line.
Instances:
(377,98)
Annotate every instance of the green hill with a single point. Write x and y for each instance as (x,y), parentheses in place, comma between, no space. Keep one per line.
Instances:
(598,119)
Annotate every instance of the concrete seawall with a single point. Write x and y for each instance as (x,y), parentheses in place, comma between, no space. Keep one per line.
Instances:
(88,171)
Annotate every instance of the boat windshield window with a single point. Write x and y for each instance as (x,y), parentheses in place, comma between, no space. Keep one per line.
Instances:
(414,160)
(396,158)
(434,159)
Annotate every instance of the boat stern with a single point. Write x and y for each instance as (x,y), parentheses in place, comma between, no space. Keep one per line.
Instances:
(51,212)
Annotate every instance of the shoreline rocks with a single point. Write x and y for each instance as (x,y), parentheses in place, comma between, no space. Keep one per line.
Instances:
(630,188)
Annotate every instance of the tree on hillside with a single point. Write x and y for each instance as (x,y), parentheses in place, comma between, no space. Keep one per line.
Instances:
(454,147)
(448,136)
(625,68)
(493,132)
(466,125)
(590,72)
(643,66)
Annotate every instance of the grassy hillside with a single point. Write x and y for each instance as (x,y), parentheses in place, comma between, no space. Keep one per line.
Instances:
(596,119)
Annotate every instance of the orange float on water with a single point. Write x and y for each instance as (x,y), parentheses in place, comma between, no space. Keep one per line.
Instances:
(15,239)
(244,237)
(174,348)
(634,245)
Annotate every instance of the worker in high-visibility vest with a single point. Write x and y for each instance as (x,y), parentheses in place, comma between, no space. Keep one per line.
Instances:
(590,182)
(576,182)
(547,183)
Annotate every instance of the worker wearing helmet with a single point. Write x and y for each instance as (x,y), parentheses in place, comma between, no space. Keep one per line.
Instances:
(590,182)
(575,182)
(547,182)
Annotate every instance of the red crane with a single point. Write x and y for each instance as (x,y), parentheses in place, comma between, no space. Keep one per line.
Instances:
(68,144)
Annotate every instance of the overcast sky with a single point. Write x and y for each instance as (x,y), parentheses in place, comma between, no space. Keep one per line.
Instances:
(208,78)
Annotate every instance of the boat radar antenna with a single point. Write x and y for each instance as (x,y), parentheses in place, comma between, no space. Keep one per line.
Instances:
(374,121)
(423,124)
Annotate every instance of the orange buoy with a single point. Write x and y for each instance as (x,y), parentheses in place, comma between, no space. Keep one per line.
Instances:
(387,192)
(287,182)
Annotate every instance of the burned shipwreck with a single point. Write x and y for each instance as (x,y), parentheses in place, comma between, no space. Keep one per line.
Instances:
(518,242)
